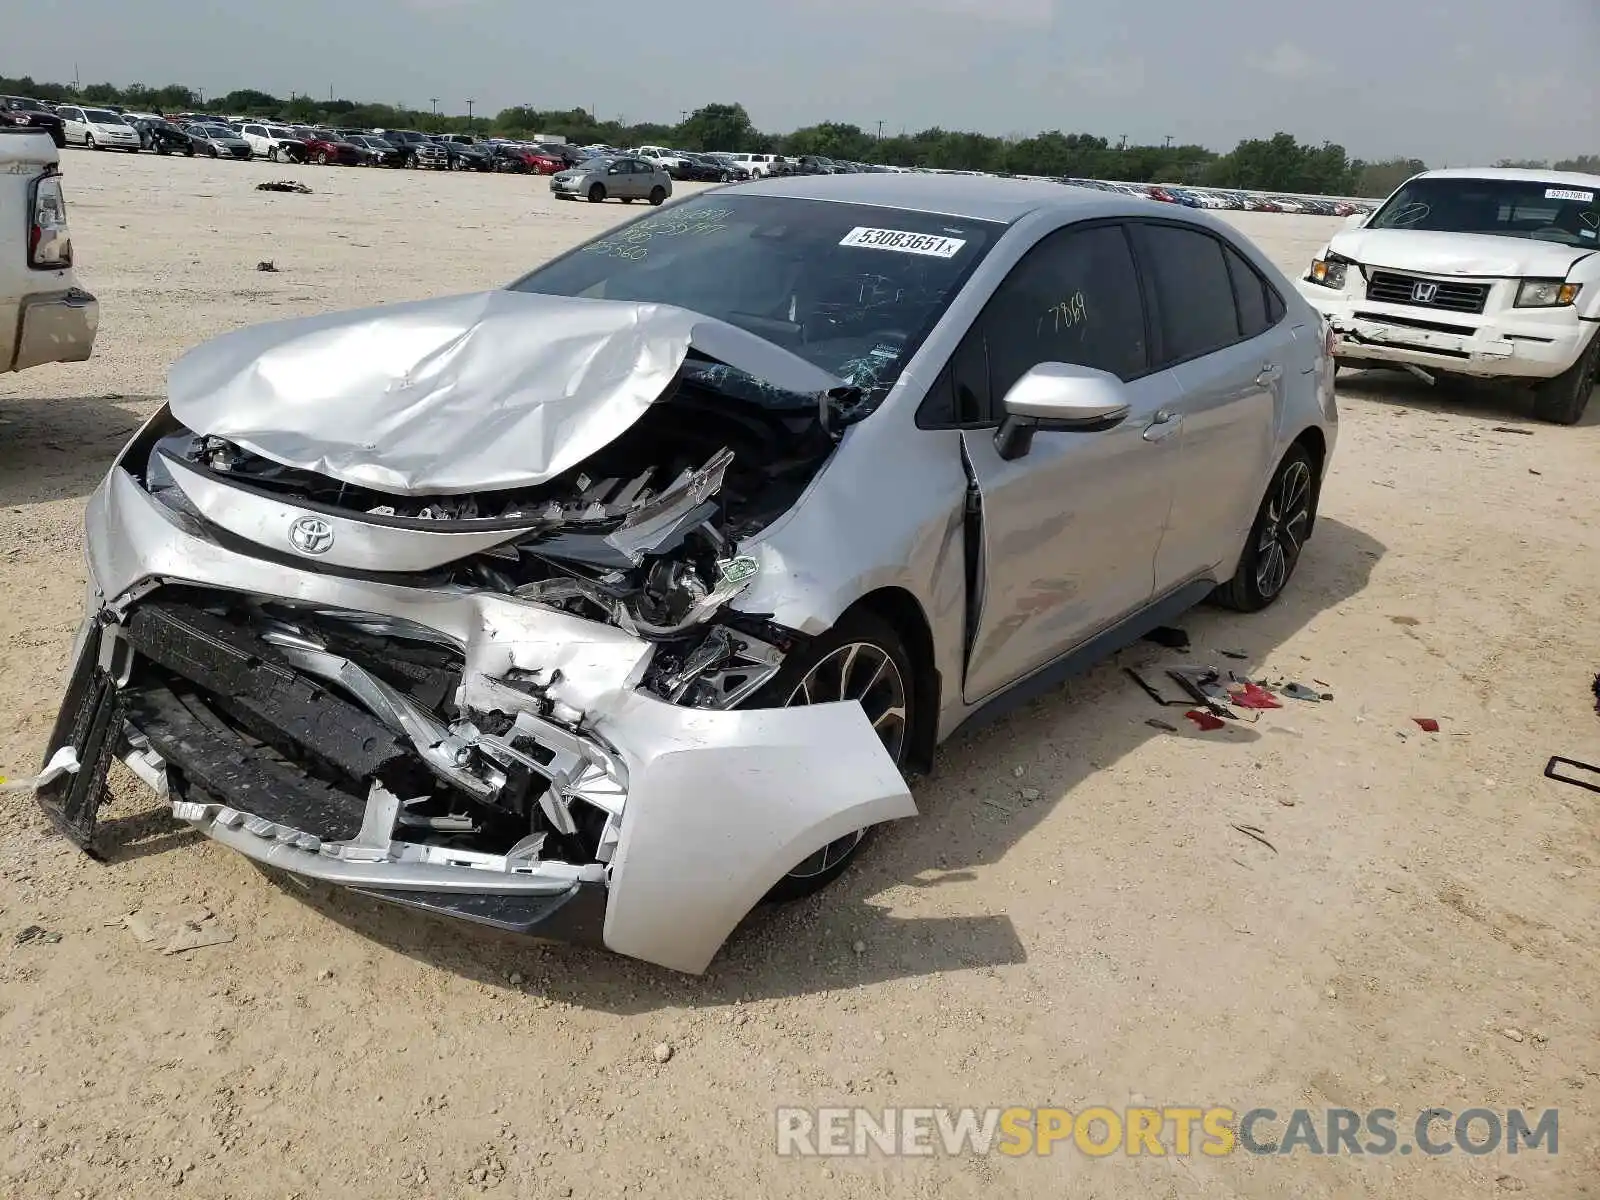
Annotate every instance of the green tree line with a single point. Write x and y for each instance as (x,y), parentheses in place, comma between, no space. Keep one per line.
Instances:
(1281,163)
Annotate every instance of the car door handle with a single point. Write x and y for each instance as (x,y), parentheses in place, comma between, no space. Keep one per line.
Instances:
(1270,373)
(1162,425)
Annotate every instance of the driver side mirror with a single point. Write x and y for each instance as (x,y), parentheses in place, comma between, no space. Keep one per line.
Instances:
(1356,220)
(1059,397)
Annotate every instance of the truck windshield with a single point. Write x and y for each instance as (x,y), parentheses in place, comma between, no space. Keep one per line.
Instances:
(1541,209)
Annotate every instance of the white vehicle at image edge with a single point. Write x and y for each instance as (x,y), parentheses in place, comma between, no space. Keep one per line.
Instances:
(44,315)
(1490,273)
(97,128)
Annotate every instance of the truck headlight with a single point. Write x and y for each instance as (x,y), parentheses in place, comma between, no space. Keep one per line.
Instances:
(1329,272)
(1547,293)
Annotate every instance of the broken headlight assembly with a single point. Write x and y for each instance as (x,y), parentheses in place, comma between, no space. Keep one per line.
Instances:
(1330,272)
(1547,293)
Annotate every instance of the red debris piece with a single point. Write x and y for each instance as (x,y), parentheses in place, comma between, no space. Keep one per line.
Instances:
(1252,695)
(1426,724)
(1205,720)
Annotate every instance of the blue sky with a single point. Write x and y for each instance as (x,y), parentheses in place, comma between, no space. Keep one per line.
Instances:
(1451,81)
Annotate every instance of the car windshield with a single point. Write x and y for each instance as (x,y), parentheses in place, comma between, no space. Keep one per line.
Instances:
(101,117)
(1544,210)
(22,105)
(850,288)
(278,132)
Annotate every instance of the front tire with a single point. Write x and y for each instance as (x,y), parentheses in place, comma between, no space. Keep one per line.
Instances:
(89,143)
(322,158)
(861,658)
(597,193)
(1277,536)
(1562,400)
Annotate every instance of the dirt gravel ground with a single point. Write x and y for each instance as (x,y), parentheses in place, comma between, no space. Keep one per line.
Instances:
(1074,920)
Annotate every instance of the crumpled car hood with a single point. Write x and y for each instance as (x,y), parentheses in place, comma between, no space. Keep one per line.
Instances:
(483,391)
(1474,254)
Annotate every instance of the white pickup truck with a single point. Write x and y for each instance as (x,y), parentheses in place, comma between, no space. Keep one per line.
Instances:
(1491,273)
(44,315)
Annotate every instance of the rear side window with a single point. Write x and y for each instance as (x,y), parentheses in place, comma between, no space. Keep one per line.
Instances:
(1249,294)
(1192,290)
(1074,298)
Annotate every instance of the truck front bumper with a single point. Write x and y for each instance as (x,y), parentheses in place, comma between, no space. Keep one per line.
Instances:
(1523,344)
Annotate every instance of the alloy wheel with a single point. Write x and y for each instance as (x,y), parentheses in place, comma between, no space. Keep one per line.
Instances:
(1284,531)
(868,674)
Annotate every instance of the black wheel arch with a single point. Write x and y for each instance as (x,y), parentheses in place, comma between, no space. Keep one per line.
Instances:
(901,610)
(1315,444)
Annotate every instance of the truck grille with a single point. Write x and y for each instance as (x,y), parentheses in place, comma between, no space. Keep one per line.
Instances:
(1390,288)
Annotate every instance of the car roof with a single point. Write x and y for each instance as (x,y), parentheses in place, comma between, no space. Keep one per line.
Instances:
(1518,174)
(976,197)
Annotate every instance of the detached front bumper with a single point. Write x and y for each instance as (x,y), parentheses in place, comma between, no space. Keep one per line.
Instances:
(706,809)
(1530,344)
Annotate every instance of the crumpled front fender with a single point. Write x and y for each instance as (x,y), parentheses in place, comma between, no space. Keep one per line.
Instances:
(721,805)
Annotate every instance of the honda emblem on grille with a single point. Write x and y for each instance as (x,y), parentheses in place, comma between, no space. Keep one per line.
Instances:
(1423,292)
(311,535)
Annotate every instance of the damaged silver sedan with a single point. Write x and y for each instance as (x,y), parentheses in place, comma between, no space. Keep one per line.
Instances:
(612,603)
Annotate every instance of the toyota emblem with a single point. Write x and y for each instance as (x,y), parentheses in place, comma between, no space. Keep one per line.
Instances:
(311,535)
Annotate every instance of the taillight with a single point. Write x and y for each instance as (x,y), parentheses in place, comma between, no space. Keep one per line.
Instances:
(49,246)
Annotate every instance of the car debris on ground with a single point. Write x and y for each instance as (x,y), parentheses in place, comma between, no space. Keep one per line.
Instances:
(284,185)
(193,927)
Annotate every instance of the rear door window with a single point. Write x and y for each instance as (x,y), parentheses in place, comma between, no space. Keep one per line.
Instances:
(1192,290)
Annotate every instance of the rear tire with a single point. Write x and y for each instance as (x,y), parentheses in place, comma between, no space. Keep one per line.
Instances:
(863,658)
(597,193)
(1277,536)
(658,195)
(1562,400)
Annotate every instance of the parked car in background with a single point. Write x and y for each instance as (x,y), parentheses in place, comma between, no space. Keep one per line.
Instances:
(756,164)
(569,156)
(626,178)
(520,159)
(26,112)
(1489,273)
(44,315)
(667,160)
(375,151)
(325,148)
(468,156)
(163,137)
(815,164)
(219,141)
(409,140)
(732,172)
(273,142)
(97,128)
